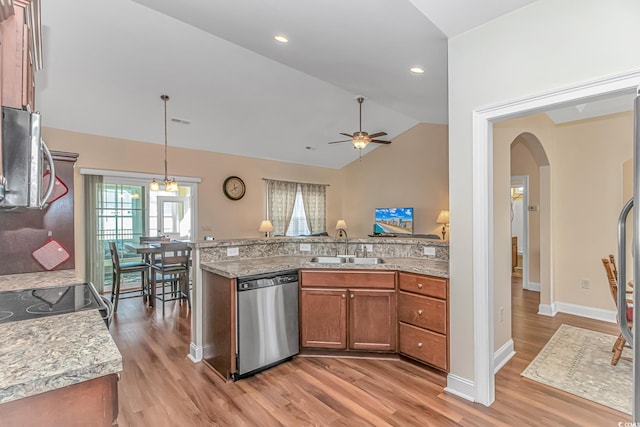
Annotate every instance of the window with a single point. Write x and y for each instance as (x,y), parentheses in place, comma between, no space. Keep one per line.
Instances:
(296,209)
(298,224)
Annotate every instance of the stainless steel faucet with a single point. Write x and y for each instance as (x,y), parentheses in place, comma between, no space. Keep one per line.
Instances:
(346,240)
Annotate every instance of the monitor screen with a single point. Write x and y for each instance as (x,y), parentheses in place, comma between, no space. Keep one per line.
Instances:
(394,220)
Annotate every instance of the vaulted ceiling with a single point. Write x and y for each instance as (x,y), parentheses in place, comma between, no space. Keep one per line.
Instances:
(107,63)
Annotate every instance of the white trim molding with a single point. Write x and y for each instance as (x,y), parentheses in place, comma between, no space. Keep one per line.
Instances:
(503,355)
(577,310)
(482,206)
(124,174)
(460,387)
(533,286)
(195,353)
(547,310)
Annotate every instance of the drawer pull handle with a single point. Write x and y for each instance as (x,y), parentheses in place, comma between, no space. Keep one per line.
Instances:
(419,285)
(352,296)
(420,312)
(419,345)
(344,296)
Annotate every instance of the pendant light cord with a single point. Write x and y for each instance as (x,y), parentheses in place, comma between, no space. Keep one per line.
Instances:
(165,98)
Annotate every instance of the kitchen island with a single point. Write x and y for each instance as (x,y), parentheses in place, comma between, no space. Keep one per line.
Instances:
(217,265)
(56,366)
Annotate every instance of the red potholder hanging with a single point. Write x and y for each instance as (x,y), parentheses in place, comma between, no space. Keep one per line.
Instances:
(59,187)
(51,254)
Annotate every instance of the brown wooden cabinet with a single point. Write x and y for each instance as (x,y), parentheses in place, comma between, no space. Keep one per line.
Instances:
(18,53)
(423,307)
(366,322)
(88,403)
(323,314)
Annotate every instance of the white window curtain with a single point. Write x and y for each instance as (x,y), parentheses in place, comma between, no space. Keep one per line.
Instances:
(281,200)
(314,199)
(94,247)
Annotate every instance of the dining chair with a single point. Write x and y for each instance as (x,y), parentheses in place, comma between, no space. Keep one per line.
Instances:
(171,274)
(612,276)
(118,269)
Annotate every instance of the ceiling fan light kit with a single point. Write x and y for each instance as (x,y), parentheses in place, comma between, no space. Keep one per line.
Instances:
(361,139)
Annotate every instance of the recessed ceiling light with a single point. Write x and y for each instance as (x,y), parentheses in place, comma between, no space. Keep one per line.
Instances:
(417,70)
(280,38)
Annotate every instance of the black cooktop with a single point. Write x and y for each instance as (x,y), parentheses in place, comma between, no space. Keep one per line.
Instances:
(41,302)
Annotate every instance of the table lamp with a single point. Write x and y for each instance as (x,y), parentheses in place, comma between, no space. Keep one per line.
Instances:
(266,227)
(443,218)
(341,226)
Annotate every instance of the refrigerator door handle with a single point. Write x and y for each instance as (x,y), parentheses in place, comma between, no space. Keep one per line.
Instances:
(622,273)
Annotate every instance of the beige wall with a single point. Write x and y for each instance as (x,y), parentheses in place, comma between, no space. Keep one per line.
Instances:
(388,176)
(411,172)
(222,217)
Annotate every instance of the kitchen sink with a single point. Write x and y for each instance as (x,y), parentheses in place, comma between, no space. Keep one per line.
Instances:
(328,260)
(343,259)
(357,260)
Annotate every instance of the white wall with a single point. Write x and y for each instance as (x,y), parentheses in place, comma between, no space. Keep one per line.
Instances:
(543,47)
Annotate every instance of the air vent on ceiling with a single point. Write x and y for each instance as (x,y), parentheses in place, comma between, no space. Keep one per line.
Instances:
(181,121)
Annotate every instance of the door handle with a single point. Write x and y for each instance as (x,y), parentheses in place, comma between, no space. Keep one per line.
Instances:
(622,273)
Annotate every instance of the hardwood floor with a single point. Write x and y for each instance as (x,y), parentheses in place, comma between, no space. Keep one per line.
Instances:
(160,386)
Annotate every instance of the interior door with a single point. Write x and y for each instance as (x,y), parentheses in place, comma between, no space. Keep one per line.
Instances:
(174,217)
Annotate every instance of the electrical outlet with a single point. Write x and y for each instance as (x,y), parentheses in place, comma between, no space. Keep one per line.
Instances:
(233,251)
(585,283)
(305,247)
(429,251)
(501,314)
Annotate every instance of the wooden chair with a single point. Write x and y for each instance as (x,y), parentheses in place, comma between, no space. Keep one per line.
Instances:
(612,276)
(118,269)
(172,272)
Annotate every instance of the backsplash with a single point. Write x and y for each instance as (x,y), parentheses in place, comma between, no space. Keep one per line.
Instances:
(214,251)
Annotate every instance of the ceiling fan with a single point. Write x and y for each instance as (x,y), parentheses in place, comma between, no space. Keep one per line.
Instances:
(360,139)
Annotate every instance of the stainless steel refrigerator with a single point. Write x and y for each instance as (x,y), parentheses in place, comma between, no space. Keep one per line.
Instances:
(630,333)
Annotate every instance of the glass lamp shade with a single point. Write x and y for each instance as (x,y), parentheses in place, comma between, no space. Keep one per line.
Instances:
(154,186)
(171,185)
(341,225)
(359,142)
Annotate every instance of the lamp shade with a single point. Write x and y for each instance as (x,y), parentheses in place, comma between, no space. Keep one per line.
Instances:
(443,217)
(341,225)
(266,226)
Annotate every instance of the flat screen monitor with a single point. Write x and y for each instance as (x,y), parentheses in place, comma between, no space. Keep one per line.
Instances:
(393,221)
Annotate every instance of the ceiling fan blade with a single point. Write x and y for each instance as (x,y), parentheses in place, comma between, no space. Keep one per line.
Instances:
(377,134)
(380,142)
(346,134)
(335,142)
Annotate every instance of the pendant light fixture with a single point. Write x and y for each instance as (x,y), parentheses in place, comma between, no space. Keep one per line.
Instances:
(169,184)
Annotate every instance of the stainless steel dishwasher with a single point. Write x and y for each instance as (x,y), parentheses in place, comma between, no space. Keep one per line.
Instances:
(267,321)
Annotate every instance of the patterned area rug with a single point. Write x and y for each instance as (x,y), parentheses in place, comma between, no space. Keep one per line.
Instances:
(578,361)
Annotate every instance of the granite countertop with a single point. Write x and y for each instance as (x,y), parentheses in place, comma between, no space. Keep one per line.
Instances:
(252,266)
(44,354)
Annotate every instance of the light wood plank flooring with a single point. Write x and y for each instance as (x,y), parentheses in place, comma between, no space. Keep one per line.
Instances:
(160,386)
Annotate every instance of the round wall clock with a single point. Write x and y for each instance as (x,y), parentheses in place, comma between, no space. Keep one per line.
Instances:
(234,188)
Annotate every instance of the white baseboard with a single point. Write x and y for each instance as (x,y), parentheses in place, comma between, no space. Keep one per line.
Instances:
(547,310)
(533,286)
(195,353)
(584,311)
(503,355)
(460,387)
(577,310)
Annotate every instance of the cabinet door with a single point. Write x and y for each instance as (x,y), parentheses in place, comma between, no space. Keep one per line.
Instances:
(323,318)
(372,320)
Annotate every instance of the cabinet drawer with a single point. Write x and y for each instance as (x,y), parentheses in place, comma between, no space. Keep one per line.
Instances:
(424,312)
(348,279)
(424,285)
(424,345)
